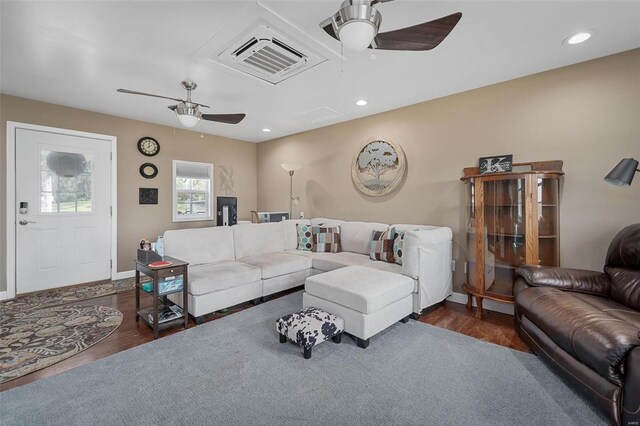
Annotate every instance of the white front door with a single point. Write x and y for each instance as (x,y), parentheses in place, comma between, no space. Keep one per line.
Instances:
(63,210)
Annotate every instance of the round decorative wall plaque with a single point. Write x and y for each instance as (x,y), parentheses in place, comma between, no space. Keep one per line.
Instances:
(149,170)
(378,168)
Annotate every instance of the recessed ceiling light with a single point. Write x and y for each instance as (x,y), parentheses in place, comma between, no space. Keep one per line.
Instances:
(579,38)
(361,102)
(266,130)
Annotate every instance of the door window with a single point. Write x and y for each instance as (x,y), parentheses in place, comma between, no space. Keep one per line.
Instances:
(65,182)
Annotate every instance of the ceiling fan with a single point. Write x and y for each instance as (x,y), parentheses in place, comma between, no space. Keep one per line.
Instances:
(357,22)
(188,112)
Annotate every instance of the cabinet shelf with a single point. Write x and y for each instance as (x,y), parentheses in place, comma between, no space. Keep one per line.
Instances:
(519,217)
(496,234)
(517,204)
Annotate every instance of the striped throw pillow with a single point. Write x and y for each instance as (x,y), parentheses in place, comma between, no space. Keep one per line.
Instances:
(326,240)
(382,246)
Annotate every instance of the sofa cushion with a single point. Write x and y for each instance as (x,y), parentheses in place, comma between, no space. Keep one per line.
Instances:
(322,221)
(258,238)
(356,236)
(583,325)
(359,288)
(277,264)
(200,245)
(381,246)
(391,267)
(325,240)
(330,261)
(291,232)
(305,237)
(404,227)
(615,310)
(223,275)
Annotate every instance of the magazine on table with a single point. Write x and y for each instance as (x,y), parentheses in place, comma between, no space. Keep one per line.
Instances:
(167,314)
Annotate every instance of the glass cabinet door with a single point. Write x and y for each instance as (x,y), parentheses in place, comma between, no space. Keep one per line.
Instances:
(548,221)
(472,254)
(504,231)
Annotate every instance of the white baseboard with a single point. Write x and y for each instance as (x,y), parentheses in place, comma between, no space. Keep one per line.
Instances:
(3,295)
(124,274)
(490,305)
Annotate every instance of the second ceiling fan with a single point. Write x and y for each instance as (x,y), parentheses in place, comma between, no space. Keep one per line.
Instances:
(357,22)
(188,112)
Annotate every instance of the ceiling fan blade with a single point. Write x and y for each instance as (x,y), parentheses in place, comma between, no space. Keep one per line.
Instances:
(380,1)
(133,92)
(327,26)
(173,107)
(224,118)
(419,37)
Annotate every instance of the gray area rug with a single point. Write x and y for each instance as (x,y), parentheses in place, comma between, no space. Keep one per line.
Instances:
(234,371)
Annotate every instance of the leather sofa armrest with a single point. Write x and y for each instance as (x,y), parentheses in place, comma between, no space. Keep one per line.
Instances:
(631,390)
(578,280)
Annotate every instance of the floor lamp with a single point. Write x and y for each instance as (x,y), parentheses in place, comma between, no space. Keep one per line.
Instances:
(291,168)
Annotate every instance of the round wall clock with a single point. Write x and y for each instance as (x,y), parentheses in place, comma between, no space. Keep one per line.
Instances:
(149,170)
(148,146)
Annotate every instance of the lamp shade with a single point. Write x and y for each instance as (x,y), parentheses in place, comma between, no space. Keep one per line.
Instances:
(188,120)
(291,167)
(357,35)
(623,173)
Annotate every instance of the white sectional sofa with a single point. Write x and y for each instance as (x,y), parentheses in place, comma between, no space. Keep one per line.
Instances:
(231,265)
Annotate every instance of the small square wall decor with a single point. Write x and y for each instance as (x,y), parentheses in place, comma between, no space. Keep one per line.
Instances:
(495,164)
(148,196)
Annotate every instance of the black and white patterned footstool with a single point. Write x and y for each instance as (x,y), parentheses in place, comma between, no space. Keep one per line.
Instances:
(310,327)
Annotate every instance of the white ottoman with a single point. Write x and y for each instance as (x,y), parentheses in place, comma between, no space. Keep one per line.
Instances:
(367,299)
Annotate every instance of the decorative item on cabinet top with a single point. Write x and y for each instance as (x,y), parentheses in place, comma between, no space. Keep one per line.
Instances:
(554,166)
(379,167)
(495,164)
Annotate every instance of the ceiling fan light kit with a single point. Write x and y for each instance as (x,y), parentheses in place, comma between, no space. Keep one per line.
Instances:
(188,116)
(357,22)
(356,25)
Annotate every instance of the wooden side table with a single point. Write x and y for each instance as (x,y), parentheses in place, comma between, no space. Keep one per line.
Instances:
(177,267)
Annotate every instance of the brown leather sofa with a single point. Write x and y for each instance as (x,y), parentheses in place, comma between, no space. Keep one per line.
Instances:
(586,325)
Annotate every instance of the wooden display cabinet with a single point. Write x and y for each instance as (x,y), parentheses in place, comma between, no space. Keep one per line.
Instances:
(513,220)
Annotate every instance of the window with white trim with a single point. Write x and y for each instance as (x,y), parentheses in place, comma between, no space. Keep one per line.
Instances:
(192,191)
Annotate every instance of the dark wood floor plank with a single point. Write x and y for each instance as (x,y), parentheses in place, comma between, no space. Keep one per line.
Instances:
(494,328)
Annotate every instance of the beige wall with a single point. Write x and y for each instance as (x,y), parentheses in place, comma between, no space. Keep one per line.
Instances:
(587,115)
(136,221)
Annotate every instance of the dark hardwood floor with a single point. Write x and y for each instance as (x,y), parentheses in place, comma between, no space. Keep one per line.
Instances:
(494,328)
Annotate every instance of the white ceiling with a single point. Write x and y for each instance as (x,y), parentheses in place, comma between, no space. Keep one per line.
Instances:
(78,53)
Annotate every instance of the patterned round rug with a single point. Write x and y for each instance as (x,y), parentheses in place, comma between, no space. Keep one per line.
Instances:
(61,296)
(36,339)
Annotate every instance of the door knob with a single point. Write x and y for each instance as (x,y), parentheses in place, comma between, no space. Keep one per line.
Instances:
(23,222)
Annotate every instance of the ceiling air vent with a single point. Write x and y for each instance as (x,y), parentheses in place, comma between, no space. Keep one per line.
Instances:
(268,55)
